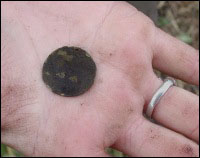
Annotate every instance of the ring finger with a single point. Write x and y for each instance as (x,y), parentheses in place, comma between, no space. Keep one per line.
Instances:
(178,110)
(148,139)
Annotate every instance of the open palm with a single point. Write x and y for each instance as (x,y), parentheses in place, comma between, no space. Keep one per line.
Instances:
(124,44)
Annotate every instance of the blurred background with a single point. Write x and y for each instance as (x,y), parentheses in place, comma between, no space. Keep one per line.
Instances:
(178,18)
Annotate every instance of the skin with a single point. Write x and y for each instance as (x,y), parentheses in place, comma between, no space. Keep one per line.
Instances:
(125,45)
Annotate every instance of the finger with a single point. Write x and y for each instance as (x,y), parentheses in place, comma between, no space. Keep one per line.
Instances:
(178,110)
(175,58)
(98,154)
(88,153)
(148,139)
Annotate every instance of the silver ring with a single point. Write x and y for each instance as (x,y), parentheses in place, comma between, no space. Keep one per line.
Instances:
(168,82)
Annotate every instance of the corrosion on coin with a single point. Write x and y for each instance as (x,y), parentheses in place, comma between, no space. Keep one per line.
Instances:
(69,71)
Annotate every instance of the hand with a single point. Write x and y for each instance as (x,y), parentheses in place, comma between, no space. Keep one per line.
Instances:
(125,45)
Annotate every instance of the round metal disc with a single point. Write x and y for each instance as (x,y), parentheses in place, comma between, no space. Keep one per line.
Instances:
(69,71)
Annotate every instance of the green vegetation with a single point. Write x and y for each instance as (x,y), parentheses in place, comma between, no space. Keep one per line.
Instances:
(9,152)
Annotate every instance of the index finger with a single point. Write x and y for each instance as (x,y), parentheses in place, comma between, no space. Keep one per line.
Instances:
(175,58)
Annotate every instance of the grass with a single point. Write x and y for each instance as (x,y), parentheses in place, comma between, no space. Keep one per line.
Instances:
(9,152)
